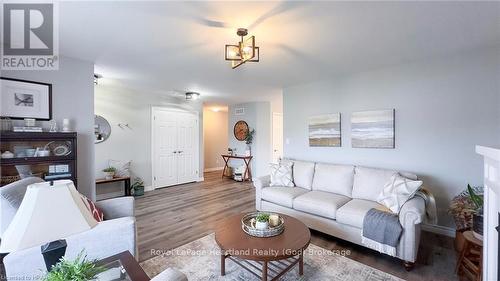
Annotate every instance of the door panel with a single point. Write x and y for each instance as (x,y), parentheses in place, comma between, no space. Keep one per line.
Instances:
(187,142)
(165,144)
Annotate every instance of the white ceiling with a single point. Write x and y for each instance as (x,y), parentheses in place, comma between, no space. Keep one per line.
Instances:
(166,46)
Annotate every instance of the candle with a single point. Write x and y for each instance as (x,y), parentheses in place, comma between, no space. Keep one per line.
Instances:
(274,220)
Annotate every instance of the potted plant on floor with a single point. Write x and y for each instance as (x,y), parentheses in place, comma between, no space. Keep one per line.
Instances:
(80,269)
(137,188)
(109,172)
(462,208)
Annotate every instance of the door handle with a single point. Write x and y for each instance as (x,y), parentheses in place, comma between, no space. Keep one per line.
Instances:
(180,151)
(175,152)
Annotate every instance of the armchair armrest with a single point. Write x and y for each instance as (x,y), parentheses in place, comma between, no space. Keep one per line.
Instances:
(260,183)
(412,212)
(117,207)
(106,239)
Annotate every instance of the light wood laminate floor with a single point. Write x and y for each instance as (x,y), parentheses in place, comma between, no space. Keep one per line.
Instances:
(173,216)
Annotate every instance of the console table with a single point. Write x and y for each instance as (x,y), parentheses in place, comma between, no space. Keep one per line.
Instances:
(125,180)
(246,159)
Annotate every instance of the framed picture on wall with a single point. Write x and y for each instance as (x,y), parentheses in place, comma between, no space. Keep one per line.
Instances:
(25,99)
(324,130)
(373,129)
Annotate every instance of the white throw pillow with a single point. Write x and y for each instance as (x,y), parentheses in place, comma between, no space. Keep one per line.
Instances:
(397,191)
(281,175)
(122,167)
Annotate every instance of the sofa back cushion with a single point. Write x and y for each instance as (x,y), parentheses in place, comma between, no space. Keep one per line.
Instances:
(303,173)
(334,178)
(369,182)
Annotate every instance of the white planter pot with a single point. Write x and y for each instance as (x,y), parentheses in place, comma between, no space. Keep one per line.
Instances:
(109,175)
(261,225)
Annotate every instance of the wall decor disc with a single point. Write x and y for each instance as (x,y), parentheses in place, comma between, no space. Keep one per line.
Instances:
(241,130)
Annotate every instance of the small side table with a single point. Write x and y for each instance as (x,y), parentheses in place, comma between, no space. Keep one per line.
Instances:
(125,180)
(470,262)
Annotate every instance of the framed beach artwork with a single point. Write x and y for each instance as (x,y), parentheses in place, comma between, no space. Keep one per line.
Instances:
(324,130)
(21,99)
(373,129)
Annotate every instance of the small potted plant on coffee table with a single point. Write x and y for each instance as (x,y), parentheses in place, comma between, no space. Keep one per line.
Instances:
(109,172)
(80,269)
(137,187)
(262,221)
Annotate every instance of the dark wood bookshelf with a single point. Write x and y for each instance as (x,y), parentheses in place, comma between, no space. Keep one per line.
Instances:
(39,165)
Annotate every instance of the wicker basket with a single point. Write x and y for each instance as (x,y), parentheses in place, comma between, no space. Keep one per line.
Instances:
(269,232)
(5,180)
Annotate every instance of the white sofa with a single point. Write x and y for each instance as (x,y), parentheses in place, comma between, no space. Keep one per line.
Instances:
(334,199)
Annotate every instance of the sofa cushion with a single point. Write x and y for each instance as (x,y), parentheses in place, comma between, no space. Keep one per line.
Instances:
(282,195)
(334,178)
(320,203)
(281,174)
(354,211)
(369,182)
(303,173)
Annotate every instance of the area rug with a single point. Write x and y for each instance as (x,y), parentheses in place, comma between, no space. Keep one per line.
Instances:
(200,260)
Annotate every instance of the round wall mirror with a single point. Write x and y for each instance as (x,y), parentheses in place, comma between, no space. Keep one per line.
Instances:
(102,129)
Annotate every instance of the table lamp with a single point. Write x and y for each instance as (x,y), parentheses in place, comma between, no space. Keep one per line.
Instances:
(48,212)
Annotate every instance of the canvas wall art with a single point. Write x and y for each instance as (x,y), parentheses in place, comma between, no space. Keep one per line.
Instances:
(372,129)
(324,130)
(25,99)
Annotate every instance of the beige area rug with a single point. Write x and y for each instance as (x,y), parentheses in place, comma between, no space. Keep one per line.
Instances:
(200,260)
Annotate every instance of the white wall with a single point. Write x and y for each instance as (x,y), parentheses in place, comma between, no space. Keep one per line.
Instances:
(444,107)
(258,117)
(73,98)
(215,138)
(120,105)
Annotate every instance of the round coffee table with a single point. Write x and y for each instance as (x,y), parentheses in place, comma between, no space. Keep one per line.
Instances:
(263,257)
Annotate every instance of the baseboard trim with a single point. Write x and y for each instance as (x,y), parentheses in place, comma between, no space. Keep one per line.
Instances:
(200,179)
(148,188)
(438,229)
(213,169)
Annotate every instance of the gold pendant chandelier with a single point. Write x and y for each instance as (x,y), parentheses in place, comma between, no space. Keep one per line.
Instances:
(245,51)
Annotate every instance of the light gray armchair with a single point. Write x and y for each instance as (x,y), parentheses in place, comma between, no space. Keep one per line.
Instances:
(112,236)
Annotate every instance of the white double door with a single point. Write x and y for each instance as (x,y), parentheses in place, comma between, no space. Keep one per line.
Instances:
(175,147)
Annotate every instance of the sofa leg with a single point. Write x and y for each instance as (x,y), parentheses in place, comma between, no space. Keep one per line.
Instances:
(408,265)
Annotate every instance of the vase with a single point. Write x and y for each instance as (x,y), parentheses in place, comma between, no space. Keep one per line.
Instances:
(477,226)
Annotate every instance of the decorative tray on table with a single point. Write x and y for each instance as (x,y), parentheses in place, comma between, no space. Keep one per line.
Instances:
(275,224)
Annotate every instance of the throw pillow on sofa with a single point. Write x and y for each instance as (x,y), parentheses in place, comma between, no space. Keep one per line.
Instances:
(97,213)
(281,174)
(397,191)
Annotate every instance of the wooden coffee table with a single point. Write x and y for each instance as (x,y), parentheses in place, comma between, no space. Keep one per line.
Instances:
(265,258)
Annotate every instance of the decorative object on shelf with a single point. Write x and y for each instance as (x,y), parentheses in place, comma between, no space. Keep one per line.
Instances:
(6,124)
(79,269)
(29,122)
(192,96)
(373,129)
(66,125)
(102,129)
(59,148)
(229,151)
(28,129)
(324,130)
(257,224)
(7,154)
(25,99)
(240,130)
(109,172)
(244,51)
(53,126)
(41,152)
(137,187)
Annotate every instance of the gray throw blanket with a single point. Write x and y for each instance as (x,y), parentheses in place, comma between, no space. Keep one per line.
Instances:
(381,231)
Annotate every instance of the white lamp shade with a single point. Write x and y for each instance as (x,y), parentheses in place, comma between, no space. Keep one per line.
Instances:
(47,213)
